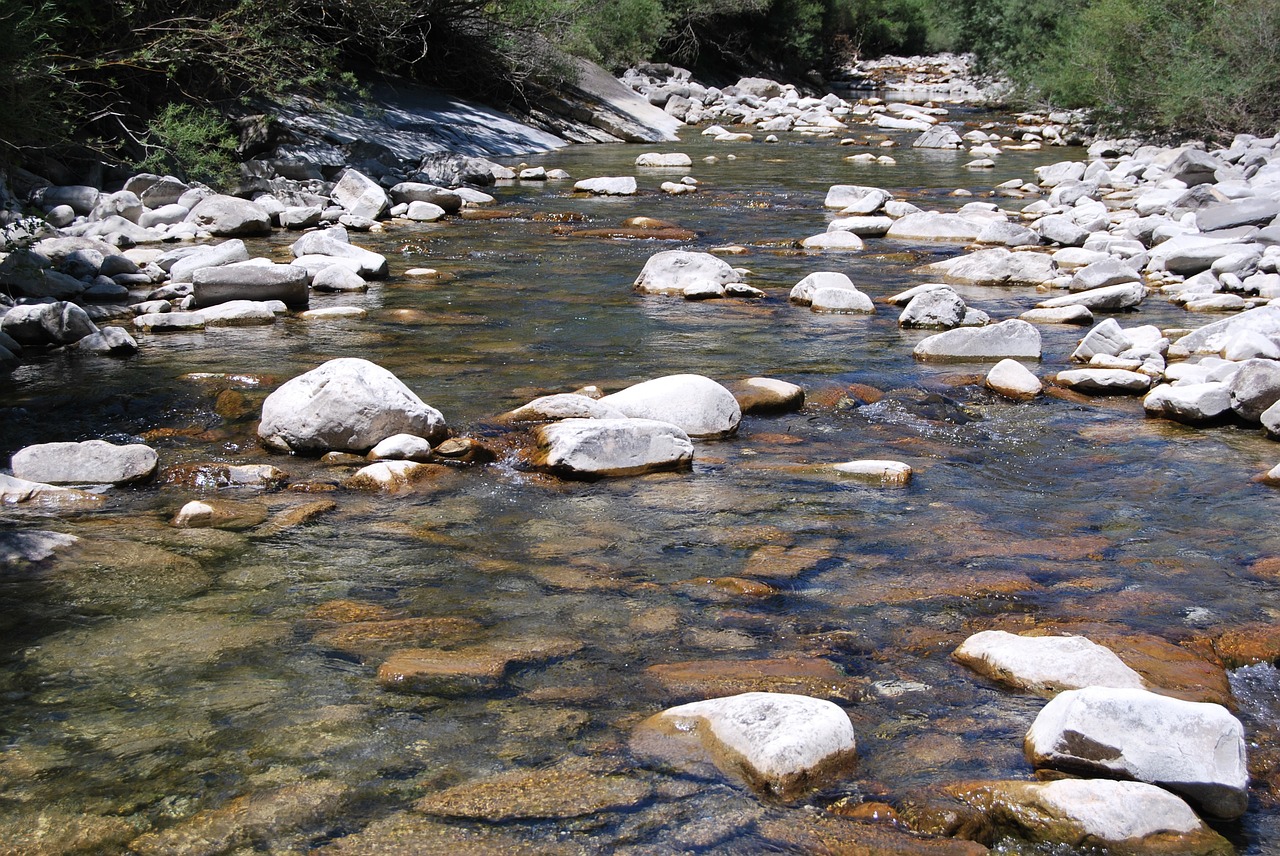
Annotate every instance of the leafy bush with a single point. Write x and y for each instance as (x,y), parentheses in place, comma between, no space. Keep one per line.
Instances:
(193,143)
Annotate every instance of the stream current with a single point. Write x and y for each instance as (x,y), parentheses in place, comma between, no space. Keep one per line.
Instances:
(161,673)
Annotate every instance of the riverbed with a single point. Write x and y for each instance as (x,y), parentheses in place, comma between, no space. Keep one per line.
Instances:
(170,681)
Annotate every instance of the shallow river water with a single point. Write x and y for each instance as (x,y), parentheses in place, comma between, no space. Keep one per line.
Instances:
(203,685)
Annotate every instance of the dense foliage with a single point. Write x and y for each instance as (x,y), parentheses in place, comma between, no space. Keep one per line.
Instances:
(1190,68)
(143,81)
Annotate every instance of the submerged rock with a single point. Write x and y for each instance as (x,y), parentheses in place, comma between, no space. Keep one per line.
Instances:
(779,744)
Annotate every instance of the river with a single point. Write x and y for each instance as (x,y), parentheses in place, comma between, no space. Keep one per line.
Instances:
(162,673)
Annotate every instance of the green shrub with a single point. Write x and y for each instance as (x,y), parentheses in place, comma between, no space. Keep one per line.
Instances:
(193,143)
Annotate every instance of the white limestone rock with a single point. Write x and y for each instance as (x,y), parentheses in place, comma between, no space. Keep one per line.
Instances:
(401,447)
(933,226)
(599,448)
(996,266)
(696,404)
(1086,814)
(607,186)
(347,404)
(1045,665)
(894,473)
(683,273)
(1194,749)
(1012,379)
(568,405)
(839,240)
(1104,381)
(360,195)
(88,462)
(1191,403)
(780,744)
(1111,298)
(841,301)
(933,307)
(1013,338)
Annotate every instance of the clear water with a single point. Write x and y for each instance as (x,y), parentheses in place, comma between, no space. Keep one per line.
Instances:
(164,673)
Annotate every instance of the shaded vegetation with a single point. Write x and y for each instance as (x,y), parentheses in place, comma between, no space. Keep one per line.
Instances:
(133,80)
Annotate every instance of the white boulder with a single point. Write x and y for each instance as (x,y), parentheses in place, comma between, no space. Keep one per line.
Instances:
(696,404)
(594,448)
(1045,665)
(347,404)
(88,462)
(1194,749)
(778,743)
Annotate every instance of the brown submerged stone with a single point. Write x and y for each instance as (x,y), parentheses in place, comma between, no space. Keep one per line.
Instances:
(821,834)
(928,585)
(569,789)
(480,668)
(295,515)
(699,679)
(343,611)
(51,832)
(1251,643)
(779,562)
(368,638)
(409,834)
(673,233)
(240,822)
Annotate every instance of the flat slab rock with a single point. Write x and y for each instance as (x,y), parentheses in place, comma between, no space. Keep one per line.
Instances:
(1125,817)
(569,789)
(89,462)
(478,668)
(779,744)
(1194,749)
(1013,338)
(587,448)
(700,679)
(1045,665)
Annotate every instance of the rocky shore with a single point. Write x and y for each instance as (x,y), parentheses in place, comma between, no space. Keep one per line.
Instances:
(1134,745)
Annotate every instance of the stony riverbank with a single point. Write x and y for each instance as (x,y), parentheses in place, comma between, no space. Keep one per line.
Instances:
(1107,236)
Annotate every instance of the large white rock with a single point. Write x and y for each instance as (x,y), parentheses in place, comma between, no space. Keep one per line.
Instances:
(1254,388)
(347,404)
(1191,403)
(933,226)
(233,313)
(250,281)
(1111,298)
(607,186)
(1012,379)
(996,266)
(226,253)
(841,301)
(89,462)
(867,199)
(1104,381)
(864,226)
(933,307)
(1194,749)
(802,291)
(778,743)
(592,448)
(566,405)
(1108,337)
(696,404)
(1012,338)
(679,272)
(1213,338)
(335,243)
(838,240)
(668,160)
(230,216)
(360,195)
(1045,665)
(1085,814)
